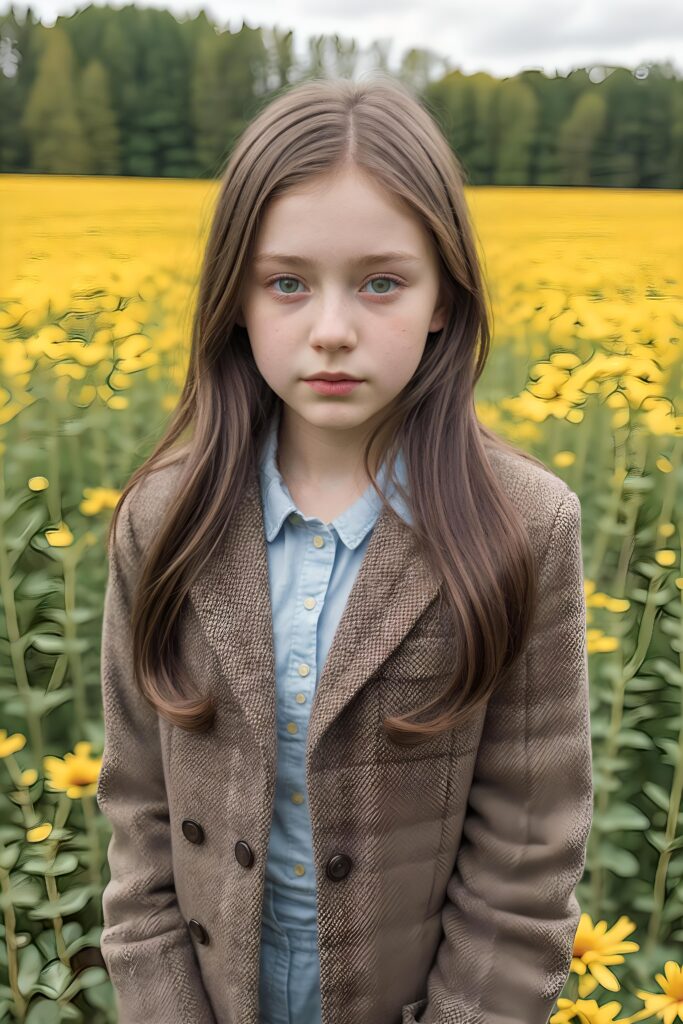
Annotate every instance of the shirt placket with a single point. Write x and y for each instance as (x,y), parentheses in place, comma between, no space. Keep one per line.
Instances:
(301,680)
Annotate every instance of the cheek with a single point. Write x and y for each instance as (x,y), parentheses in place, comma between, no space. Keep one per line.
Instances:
(400,348)
(270,352)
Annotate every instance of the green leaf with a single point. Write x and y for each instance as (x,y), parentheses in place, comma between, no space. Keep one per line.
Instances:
(670,672)
(637,484)
(621,817)
(658,840)
(30,964)
(68,903)
(22,892)
(620,862)
(48,643)
(37,585)
(54,978)
(659,796)
(78,615)
(9,855)
(64,864)
(89,977)
(36,702)
(634,740)
(672,750)
(44,1011)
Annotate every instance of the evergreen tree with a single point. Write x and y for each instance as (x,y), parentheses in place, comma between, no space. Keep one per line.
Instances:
(578,136)
(99,120)
(51,118)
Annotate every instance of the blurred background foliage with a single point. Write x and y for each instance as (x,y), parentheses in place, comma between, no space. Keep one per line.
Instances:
(135,91)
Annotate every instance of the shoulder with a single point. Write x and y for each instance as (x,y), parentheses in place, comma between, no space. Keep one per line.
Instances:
(143,507)
(546,504)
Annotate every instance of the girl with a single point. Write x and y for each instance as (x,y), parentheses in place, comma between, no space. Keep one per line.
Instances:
(347,756)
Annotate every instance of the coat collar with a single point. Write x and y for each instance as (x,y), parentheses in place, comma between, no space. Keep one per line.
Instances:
(231,599)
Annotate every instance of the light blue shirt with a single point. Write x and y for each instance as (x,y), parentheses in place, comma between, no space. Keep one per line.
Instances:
(311,566)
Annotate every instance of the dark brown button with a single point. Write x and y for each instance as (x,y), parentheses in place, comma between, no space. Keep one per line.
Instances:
(198,931)
(193,831)
(244,853)
(338,866)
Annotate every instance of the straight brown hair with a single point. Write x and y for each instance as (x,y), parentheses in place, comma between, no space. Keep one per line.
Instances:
(483,552)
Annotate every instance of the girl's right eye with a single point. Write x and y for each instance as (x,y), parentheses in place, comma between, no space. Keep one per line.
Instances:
(278,280)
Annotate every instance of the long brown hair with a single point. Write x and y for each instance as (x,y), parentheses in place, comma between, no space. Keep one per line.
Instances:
(483,551)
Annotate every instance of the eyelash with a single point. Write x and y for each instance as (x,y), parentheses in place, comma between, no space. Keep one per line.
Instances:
(378,277)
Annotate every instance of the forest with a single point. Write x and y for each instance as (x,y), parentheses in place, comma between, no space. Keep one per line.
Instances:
(138,92)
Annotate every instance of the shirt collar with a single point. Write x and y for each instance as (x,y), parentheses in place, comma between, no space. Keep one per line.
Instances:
(352,524)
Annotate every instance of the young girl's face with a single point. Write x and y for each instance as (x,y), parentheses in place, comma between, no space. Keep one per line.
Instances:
(314,301)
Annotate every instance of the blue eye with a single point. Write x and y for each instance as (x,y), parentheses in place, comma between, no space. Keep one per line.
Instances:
(392,280)
(278,279)
(379,277)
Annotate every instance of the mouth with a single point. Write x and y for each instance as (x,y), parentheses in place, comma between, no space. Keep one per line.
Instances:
(333,377)
(332,386)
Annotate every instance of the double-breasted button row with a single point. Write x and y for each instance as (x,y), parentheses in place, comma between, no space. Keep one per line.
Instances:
(338,866)
(193,831)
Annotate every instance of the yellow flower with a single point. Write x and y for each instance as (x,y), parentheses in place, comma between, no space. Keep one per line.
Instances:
(97,498)
(563,459)
(617,604)
(38,483)
(665,556)
(38,832)
(669,1003)
(76,774)
(10,744)
(599,642)
(61,537)
(587,1011)
(595,947)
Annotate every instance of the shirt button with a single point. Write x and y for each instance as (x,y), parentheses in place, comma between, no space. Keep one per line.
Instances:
(318,540)
(299,869)
(297,798)
(300,698)
(309,602)
(295,518)
(292,727)
(304,669)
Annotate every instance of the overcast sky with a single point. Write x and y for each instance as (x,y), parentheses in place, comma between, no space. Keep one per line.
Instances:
(488,35)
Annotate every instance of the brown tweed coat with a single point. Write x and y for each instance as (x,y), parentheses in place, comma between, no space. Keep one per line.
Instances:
(445,874)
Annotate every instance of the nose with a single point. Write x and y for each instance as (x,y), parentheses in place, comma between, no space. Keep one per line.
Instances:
(333,326)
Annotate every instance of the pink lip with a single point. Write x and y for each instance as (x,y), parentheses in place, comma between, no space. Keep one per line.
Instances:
(333,387)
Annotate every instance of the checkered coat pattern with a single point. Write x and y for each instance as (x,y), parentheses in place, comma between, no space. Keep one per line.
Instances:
(445,873)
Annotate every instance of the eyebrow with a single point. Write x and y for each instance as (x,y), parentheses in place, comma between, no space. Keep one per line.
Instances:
(392,256)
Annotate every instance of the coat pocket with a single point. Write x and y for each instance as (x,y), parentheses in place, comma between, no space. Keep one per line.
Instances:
(414,674)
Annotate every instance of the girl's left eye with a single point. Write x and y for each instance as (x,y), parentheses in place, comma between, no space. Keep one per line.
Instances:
(379,277)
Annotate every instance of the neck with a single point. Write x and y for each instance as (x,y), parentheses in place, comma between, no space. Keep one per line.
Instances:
(330,459)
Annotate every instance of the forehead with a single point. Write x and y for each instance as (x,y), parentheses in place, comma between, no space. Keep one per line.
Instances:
(340,218)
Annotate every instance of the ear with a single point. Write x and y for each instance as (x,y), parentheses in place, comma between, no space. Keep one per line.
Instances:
(439,317)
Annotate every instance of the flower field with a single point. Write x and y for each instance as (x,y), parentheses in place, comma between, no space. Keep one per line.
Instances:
(97,281)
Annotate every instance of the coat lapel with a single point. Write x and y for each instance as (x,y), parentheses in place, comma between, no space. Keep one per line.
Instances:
(231,599)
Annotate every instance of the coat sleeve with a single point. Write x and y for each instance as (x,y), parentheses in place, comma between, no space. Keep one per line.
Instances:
(145,942)
(510,913)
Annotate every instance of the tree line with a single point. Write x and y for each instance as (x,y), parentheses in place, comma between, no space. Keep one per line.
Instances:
(137,92)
